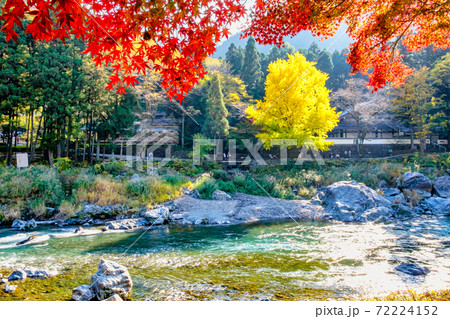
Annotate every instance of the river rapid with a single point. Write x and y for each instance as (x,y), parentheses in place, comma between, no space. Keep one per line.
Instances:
(296,260)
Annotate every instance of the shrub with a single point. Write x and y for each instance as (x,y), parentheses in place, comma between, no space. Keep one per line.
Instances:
(63,163)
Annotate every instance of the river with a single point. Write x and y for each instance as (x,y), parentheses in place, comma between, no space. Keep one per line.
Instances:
(301,260)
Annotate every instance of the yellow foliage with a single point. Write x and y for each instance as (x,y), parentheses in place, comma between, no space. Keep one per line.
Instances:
(296,105)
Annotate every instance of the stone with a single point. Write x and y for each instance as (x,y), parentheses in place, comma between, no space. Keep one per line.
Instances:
(441,186)
(416,182)
(383,184)
(18,223)
(402,211)
(110,279)
(412,269)
(82,293)
(135,177)
(388,192)
(350,201)
(18,274)
(157,216)
(79,230)
(34,273)
(220,195)
(437,205)
(10,288)
(24,225)
(115,297)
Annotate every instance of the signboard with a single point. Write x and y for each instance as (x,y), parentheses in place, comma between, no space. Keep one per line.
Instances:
(22,160)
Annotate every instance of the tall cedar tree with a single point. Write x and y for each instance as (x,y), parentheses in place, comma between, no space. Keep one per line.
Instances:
(235,57)
(216,123)
(251,71)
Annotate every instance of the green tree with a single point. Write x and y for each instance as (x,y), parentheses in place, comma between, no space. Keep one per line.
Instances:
(251,70)
(216,123)
(440,78)
(302,112)
(415,105)
(235,57)
(13,65)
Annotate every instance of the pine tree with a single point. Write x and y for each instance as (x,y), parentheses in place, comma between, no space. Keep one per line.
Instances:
(235,57)
(216,123)
(251,71)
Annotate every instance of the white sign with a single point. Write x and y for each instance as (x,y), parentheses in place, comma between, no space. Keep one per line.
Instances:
(22,160)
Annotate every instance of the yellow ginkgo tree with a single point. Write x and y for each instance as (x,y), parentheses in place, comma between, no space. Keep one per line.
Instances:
(296,105)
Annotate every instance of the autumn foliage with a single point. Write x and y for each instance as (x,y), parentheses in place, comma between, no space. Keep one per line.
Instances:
(174,37)
(376,26)
(296,105)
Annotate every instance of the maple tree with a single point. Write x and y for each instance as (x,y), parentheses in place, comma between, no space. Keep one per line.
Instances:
(174,37)
(302,112)
(376,26)
(171,36)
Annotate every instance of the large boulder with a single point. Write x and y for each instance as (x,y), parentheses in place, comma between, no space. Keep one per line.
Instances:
(220,195)
(412,269)
(441,186)
(416,183)
(351,201)
(437,205)
(24,225)
(82,293)
(110,279)
(157,216)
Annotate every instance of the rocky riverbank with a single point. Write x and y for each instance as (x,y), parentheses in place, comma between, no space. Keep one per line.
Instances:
(347,201)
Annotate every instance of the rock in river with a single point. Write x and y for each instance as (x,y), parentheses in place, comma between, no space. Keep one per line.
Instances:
(110,279)
(412,269)
(18,274)
(441,186)
(352,201)
(24,225)
(438,206)
(82,293)
(415,182)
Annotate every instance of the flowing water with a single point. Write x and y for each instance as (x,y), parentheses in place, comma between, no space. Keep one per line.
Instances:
(289,260)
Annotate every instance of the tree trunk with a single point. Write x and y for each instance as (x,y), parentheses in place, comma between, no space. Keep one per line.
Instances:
(97,157)
(412,136)
(34,144)
(182,131)
(357,139)
(76,150)
(50,158)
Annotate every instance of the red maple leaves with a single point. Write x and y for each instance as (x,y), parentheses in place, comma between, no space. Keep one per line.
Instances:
(174,37)
(376,26)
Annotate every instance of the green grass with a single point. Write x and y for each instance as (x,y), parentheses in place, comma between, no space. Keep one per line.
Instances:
(31,192)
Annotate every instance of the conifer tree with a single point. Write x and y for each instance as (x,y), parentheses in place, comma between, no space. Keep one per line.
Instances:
(235,57)
(251,70)
(216,123)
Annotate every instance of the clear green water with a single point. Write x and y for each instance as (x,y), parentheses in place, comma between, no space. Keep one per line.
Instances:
(287,261)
